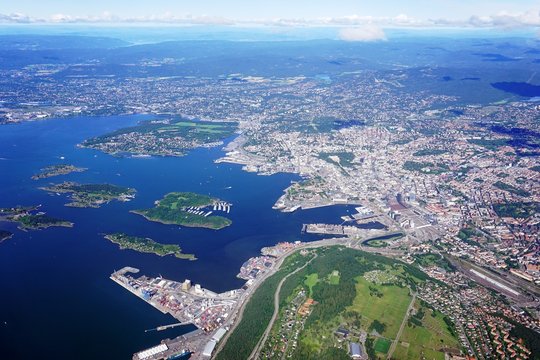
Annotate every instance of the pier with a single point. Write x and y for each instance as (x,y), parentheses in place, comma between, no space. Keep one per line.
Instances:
(166,327)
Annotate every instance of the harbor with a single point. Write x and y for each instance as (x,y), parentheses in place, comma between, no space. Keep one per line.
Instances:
(169,349)
(212,313)
(188,303)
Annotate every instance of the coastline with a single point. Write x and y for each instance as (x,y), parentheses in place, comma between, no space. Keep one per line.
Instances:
(65,224)
(177,254)
(6,237)
(139,212)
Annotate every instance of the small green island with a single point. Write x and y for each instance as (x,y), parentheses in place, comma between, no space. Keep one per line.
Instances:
(5,235)
(57,170)
(91,195)
(29,218)
(147,245)
(188,209)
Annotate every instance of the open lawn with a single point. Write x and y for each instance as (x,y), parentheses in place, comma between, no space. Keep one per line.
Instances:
(311,281)
(382,345)
(333,279)
(337,281)
(425,341)
(389,309)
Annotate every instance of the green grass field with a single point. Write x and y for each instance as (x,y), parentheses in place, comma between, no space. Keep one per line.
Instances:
(333,279)
(376,243)
(389,309)
(311,281)
(336,280)
(425,341)
(382,345)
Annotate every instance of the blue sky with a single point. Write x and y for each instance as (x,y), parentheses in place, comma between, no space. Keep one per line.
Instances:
(250,9)
(351,20)
(259,10)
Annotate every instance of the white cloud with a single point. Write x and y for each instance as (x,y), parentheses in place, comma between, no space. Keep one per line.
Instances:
(361,25)
(15,18)
(205,20)
(107,17)
(529,18)
(61,18)
(504,20)
(368,32)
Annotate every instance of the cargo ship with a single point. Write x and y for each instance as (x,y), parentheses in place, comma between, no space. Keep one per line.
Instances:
(184,355)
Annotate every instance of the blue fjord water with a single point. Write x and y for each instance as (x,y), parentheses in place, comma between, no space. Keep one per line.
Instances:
(56,298)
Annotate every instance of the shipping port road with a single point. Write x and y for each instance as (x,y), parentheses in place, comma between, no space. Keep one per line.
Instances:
(245,299)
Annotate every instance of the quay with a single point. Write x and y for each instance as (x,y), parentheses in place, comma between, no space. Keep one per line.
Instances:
(169,349)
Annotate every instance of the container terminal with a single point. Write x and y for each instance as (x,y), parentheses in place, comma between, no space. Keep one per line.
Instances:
(210,312)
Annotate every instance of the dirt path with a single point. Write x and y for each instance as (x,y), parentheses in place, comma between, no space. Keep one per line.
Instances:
(396,340)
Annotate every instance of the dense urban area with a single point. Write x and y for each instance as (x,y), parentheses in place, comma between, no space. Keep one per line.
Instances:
(439,260)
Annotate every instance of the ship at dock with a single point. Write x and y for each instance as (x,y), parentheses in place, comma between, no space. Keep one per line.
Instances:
(184,355)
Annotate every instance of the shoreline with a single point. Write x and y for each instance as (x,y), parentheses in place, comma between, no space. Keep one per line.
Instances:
(5,238)
(66,224)
(178,255)
(138,212)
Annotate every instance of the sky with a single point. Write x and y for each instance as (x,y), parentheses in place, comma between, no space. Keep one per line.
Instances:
(251,9)
(265,10)
(362,20)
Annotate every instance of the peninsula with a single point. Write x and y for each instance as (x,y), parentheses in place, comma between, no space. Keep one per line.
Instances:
(147,245)
(57,170)
(91,195)
(4,235)
(188,209)
(165,137)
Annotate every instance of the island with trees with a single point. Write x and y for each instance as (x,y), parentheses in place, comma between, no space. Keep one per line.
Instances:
(91,195)
(188,209)
(147,245)
(57,170)
(29,218)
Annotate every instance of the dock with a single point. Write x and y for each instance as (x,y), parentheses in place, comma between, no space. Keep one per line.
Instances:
(167,327)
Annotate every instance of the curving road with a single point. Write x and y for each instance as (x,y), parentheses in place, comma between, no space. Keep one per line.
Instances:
(262,341)
(240,311)
(235,320)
